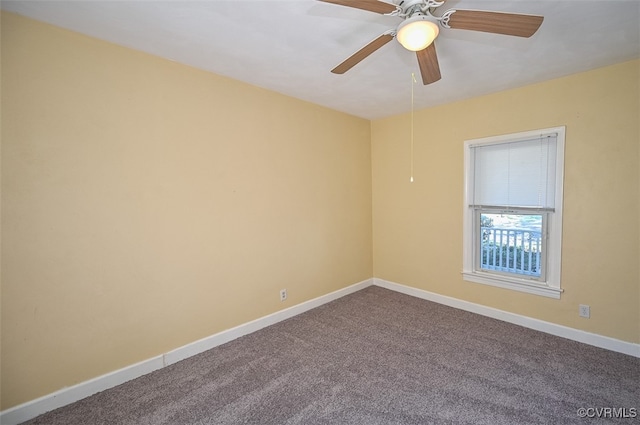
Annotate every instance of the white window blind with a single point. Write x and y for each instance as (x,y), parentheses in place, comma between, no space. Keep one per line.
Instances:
(519,174)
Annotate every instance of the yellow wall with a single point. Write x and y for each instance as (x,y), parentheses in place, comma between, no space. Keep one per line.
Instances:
(417,227)
(146,204)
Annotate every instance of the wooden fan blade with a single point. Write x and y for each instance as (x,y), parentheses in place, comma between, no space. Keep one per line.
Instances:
(428,61)
(370,5)
(496,22)
(362,53)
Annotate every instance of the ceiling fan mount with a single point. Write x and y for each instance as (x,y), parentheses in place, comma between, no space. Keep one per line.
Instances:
(406,8)
(420,27)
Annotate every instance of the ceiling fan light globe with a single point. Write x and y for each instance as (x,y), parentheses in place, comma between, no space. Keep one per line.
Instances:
(417,33)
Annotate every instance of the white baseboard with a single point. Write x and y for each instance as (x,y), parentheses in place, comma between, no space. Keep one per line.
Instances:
(33,408)
(212,341)
(65,396)
(596,340)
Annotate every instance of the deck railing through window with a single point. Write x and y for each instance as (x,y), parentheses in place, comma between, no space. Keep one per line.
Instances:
(511,250)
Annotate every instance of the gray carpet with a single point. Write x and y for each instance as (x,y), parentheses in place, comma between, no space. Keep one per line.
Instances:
(376,357)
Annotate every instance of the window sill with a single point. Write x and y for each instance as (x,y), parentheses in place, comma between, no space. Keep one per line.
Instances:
(512,283)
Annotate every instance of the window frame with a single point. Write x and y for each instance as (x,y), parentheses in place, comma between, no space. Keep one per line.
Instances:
(550,286)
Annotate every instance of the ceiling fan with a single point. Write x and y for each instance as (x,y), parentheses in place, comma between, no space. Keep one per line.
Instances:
(419,29)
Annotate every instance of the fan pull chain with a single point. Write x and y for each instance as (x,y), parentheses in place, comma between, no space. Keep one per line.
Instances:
(413,81)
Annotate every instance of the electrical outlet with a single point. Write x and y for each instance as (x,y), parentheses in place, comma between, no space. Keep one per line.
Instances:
(584,311)
(283,294)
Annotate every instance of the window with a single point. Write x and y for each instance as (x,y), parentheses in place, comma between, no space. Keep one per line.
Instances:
(513,211)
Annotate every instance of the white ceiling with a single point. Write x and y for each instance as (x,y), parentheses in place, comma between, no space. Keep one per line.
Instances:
(290,46)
